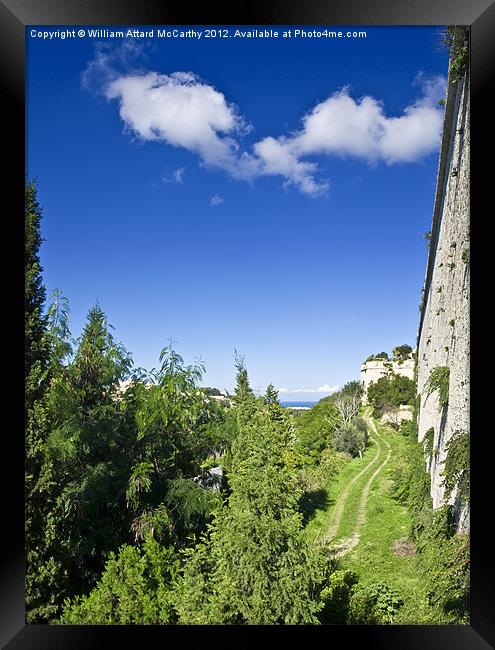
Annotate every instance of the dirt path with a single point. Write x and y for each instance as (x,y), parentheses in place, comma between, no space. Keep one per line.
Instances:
(345,545)
(342,499)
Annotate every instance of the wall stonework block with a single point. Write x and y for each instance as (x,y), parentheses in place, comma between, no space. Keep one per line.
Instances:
(443,338)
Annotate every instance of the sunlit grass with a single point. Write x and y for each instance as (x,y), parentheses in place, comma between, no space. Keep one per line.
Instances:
(386,522)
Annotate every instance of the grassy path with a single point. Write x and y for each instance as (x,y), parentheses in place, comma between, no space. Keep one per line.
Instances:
(341,503)
(349,520)
(365,523)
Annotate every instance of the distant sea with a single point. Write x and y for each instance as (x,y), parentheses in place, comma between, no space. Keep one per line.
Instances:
(293,404)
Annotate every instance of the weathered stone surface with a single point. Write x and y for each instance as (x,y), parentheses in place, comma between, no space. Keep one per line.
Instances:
(372,371)
(443,338)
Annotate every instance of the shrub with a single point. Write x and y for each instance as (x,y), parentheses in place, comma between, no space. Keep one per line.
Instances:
(351,438)
(336,596)
(456,469)
(375,603)
(439,380)
(389,393)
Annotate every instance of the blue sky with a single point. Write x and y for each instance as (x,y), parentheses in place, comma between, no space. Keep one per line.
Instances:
(268,195)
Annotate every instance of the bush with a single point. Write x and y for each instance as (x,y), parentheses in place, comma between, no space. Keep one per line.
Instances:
(439,380)
(409,429)
(351,438)
(135,588)
(388,393)
(375,603)
(336,596)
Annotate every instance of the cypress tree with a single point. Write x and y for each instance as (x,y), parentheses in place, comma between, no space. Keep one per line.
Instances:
(254,567)
(39,570)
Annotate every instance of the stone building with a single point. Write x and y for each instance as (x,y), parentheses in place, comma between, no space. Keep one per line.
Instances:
(372,371)
(443,336)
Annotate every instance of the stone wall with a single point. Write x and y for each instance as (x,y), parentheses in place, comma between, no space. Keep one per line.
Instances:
(443,337)
(372,371)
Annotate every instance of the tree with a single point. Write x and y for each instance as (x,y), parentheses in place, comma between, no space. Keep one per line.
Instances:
(178,428)
(244,398)
(378,357)
(271,395)
(40,366)
(402,352)
(388,393)
(254,567)
(90,446)
(314,429)
(348,405)
(351,437)
(135,588)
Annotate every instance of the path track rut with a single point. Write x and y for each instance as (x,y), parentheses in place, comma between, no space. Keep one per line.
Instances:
(345,545)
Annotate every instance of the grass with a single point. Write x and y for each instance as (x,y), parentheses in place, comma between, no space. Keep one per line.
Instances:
(387,521)
(322,519)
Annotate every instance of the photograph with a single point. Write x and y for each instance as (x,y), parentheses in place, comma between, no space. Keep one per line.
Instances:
(247,325)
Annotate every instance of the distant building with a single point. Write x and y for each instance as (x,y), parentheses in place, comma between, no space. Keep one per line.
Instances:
(372,371)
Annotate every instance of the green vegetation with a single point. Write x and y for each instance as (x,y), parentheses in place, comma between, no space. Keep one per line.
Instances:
(254,566)
(456,470)
(351,437)
(388,393)
(374,603)
(443,556)
(379,356)
(439,381)
(319,518)
(402,352)
(135,588)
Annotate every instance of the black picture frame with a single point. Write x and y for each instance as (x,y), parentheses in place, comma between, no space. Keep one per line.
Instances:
(14,16)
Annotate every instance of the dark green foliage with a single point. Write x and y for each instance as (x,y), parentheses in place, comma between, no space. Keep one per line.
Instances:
(388,393)
(401,352)
(456,469)
(212,391)
(459,64)
(428,442)
(443,555)
(314,429)
(135,588)
(336,596)
(42,571)
(409,429)
(36,322)
(446,564)
(379,356)
(254,566)
(352,388)
(351,438)
(271,395)
(439,380)
(374,603)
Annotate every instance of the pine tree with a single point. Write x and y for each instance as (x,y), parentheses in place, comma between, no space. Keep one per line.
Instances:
(254,567)
(90,445)
(244,398)
(271,395)
(40,570)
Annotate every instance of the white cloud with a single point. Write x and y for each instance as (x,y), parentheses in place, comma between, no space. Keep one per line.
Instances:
(326,388)
(177,176)
(278,158)
(216,200)
(343,126)
(181,110)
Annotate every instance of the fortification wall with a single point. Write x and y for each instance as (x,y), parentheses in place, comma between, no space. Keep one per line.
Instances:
(372,371)
(443,338)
